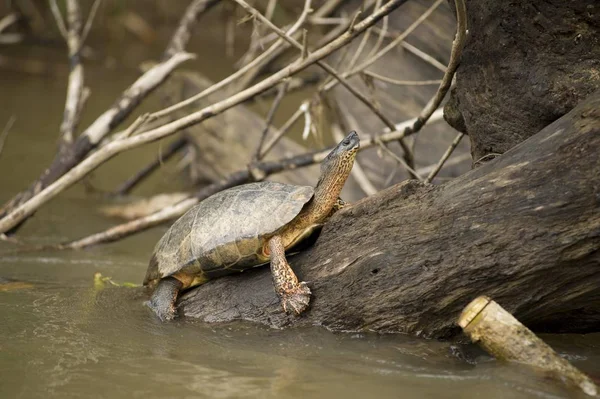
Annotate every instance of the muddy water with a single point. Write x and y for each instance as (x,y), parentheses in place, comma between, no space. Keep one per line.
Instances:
(61,337)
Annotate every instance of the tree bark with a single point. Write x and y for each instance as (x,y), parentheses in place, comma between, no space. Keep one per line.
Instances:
(524,65)
(523,229)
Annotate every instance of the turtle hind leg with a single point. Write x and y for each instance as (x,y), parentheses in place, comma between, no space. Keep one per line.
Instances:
(294,295)
(163,298)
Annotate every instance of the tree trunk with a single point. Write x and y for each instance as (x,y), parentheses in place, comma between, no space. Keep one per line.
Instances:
(524,65)
(523,229)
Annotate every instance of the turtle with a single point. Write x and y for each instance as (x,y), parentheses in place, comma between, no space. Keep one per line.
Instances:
(244,227)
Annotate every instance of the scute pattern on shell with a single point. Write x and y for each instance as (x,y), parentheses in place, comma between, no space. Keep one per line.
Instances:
(223,233)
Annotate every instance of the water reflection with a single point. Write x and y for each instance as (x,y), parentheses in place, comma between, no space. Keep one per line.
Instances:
(60,340)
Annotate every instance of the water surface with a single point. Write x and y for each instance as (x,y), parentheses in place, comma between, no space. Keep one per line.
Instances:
(60,337)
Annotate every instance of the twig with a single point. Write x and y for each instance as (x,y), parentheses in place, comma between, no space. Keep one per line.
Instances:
(390,46)
(219,85)
(103,125)
(184,30)
(60,22)
(444,158)
(74,102)
(329,21)
(26,208)
(262,169)
(304,43)
(270,10)
(8,20)
(486,158)
(282,46)
(90,20)
(399,160)
(147,170)
(137,225)
(402,82)
(362,43)
(5,22)
(284,129)
(380,38)
(269,120)
(366,101)
(326,9)
(354,19)
(5,131)
(457,47)
(424,56)
(305,108)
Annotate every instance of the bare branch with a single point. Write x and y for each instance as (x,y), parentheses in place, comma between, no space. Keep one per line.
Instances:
(371,60)
(73,103)
(184,30)
(103,125)
(26,208)
(284,129)
(233,77)
(366,101)
(424,56)
(137,225)
(269,120)
(326,9)
(362,44)
(262,169)
(5,22)
(457,47)
(147,170)
(5,131)
(90,21)
(60,22)
(402,82)
(444,158)
(399,160)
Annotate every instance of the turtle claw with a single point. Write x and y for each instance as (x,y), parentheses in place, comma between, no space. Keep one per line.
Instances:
(164,313)
(296,300)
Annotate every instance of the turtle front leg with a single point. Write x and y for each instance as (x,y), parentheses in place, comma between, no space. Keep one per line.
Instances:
(163,298)
(294,295)
(339,204)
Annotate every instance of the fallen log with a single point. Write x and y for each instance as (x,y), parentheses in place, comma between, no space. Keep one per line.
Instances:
(523,229)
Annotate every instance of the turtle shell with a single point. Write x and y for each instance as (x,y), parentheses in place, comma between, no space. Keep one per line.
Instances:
(226,232)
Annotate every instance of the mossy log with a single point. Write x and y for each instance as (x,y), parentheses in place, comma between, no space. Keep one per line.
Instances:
(523,229)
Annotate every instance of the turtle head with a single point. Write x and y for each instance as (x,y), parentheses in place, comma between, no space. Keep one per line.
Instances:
(340,160)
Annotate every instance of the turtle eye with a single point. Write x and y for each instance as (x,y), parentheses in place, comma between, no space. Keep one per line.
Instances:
(346,142)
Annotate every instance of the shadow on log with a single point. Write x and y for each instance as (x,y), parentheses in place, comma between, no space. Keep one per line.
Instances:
(524,229)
